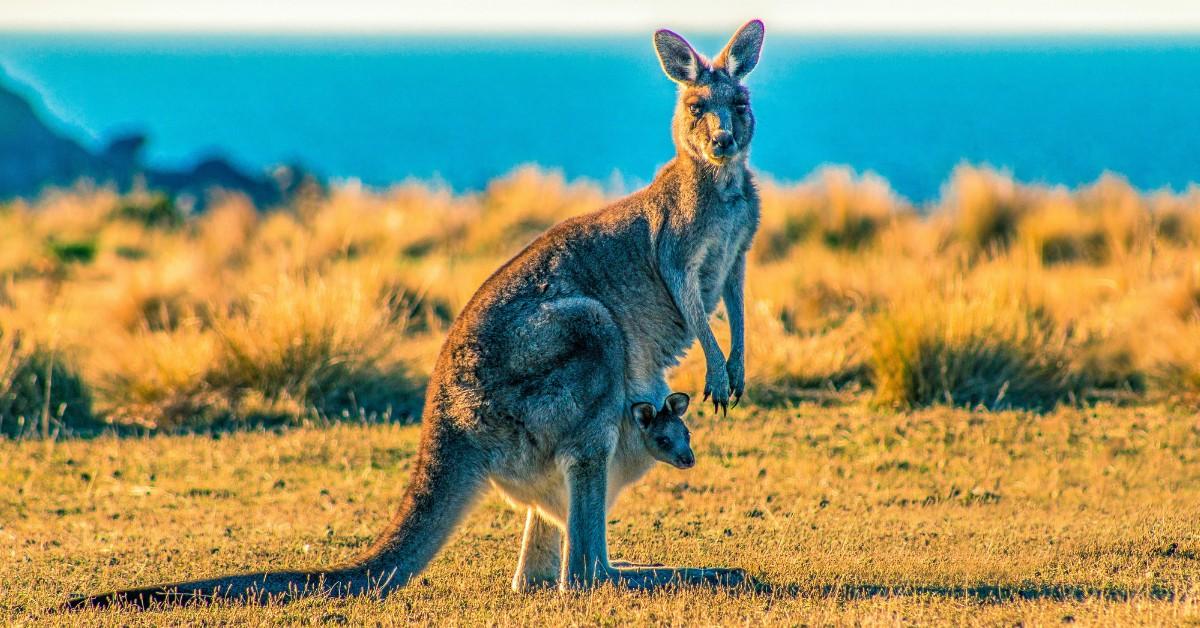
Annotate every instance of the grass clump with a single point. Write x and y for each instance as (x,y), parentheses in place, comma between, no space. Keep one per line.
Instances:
(159,380)
(834,208)
(515,209)
(39,392)
(299,349)
(1173,362)
(970,352)
(1059,233)
(985,208)
(321,344)
(1176,219)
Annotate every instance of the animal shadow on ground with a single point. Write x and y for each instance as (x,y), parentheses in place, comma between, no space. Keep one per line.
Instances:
(981,593)
(985,593)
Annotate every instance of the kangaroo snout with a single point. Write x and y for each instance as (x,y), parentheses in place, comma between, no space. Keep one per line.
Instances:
(686,460)
(723,144)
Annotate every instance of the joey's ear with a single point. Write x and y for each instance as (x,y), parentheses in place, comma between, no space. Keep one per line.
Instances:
(741,53)
(676,403)
(679,60)
(643,413)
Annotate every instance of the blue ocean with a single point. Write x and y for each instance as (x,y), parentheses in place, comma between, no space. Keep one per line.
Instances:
(462,110)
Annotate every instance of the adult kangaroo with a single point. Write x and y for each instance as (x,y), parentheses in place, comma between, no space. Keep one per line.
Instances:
(533,388)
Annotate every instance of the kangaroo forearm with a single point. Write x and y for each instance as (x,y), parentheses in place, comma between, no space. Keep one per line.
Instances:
(697,320)
(685,291)
(735,307)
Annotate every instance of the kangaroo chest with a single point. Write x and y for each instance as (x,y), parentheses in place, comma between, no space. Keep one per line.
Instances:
(725,233)
(716,235)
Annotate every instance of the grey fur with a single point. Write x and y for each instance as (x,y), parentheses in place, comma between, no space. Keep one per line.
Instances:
(533,386)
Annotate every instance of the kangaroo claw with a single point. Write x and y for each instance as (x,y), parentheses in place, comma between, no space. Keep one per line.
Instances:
(707,392)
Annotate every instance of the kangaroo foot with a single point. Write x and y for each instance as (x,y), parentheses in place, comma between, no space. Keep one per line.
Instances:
(646,578)
(624,564)
(528,584)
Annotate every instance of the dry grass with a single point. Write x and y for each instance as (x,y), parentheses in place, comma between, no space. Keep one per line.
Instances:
(1000,294)
(977,353)
(849,515)
(38,389)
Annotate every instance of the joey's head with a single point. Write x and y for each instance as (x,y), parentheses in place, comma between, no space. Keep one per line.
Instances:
(664,433)
(713,123)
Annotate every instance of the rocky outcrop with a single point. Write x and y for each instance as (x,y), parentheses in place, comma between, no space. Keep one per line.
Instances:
(33,157)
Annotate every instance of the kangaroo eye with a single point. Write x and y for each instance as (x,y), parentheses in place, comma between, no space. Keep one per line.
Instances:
(663,442)
(741,107)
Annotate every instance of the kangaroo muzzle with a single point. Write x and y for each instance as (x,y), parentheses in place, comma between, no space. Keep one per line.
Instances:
(722,144)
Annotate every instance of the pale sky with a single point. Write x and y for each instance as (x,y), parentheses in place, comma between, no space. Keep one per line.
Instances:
(602,15)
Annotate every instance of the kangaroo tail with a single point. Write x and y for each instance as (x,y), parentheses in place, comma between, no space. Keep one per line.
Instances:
(449,475)
(250,587)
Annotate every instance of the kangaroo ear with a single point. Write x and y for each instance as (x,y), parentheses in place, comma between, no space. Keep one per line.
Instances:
(676,403)
(679,60)
(741,53)
(643,413)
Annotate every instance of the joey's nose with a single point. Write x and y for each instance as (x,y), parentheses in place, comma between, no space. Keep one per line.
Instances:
(687,460)
(723,144)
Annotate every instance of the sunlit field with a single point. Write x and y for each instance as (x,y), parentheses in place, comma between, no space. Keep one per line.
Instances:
(844,515)
(981,410)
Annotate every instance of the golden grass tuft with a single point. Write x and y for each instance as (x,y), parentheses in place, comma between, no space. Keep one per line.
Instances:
(298,348)
(969,351)
(834,207)
(517,208)
(159,379)
(324,344)
(984,207)
(39,390)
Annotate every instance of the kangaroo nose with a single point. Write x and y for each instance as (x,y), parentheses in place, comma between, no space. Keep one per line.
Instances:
(687,460)
(723,143)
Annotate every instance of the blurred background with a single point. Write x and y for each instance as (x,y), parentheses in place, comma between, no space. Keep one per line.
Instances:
(215,212)
(1053,92)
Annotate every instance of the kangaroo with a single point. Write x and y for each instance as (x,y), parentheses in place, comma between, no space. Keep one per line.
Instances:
(665,435)
(529,392)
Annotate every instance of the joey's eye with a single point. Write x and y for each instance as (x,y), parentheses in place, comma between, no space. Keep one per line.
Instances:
(695,109)
(663,442)
(741,107)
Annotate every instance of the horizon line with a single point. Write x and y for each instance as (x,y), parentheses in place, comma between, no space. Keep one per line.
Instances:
(944,31)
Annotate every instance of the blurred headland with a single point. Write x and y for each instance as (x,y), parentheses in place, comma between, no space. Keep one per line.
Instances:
(34,156)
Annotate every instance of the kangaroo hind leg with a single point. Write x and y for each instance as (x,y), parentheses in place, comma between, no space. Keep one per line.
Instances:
(586,561)
(541,554)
